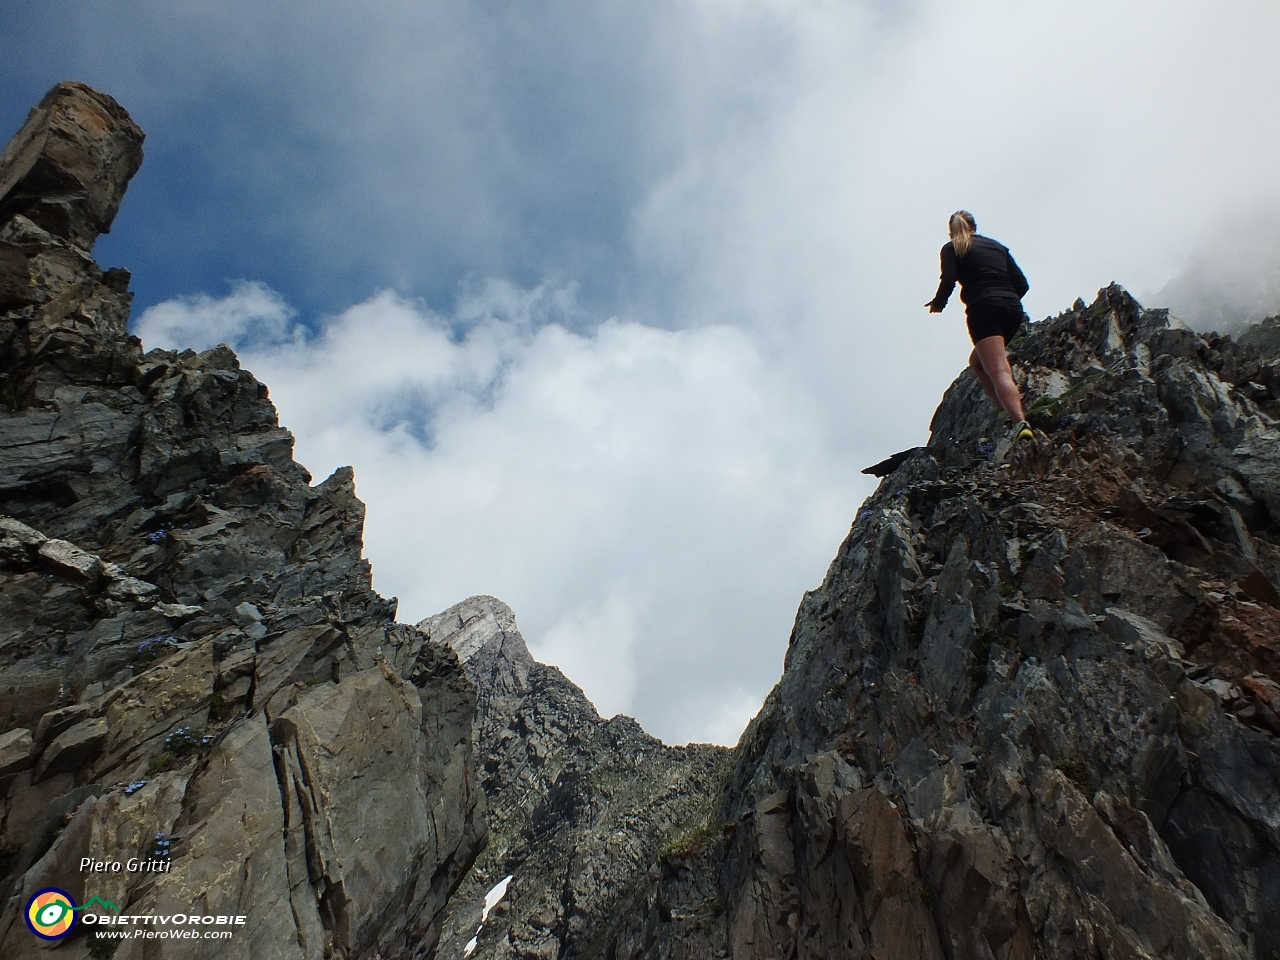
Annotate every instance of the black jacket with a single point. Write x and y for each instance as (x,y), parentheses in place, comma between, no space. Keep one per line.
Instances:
(987,271)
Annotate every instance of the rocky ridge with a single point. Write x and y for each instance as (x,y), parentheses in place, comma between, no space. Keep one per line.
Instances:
(194,667)
(579,807)
(1033,709)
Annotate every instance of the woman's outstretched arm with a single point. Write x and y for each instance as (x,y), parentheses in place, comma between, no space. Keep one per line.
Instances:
(948,281)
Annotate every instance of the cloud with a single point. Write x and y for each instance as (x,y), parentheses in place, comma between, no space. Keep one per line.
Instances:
(651,502)
(596,639)
(250,312)
(733,712)
(1233,279)
(1097,140)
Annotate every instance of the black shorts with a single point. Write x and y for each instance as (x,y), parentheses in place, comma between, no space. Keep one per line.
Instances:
(994,318)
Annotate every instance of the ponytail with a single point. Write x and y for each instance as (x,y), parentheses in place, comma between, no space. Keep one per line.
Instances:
(962,228)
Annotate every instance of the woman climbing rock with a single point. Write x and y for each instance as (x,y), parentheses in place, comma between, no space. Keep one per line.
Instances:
(992,287)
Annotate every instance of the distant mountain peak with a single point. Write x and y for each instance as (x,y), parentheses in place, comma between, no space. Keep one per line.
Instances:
(479,627)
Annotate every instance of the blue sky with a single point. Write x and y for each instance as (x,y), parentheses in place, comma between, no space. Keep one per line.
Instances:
(608,303)
(334,149)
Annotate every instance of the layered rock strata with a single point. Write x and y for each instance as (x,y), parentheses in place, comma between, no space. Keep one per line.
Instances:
(194,667)
(579,807)
(1033,709)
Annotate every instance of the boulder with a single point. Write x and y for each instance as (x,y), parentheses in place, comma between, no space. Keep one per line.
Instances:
(72,749)
(16,748)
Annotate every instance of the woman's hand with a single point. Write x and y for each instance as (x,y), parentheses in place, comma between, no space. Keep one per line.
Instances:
(933,307)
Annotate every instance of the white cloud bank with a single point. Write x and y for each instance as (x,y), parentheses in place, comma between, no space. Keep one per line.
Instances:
(652,503)
(252,312)
(1233,280)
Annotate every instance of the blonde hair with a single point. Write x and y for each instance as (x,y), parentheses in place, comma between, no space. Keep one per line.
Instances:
(962,228)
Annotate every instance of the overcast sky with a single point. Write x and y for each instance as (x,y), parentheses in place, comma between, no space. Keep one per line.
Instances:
(608,303)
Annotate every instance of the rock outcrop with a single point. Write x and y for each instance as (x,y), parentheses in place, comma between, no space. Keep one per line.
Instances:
(1033,710)
(194,667)
(579,807)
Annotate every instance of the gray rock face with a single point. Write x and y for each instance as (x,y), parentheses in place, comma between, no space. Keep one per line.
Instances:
(189,641)
(1031,711)
(579,807)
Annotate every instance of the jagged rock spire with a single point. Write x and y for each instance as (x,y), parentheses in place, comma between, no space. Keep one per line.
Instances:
(68,167)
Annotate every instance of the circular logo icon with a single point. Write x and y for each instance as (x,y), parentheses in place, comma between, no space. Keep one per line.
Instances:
(51,913)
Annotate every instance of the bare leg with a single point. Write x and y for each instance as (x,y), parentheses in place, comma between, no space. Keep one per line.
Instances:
(998,381)
(983,380)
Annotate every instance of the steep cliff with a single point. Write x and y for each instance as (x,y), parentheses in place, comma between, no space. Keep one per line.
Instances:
(194,668)
(1032,709)
(579,807)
